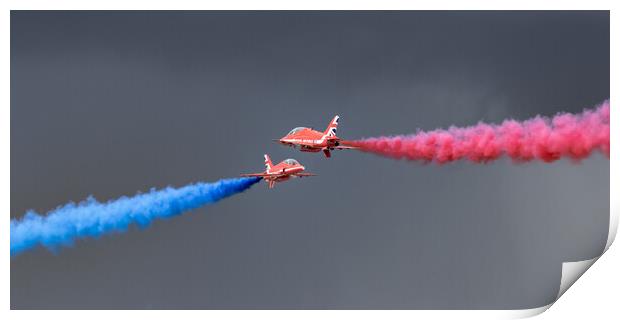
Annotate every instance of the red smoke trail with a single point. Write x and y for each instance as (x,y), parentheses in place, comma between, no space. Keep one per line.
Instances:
(574,136)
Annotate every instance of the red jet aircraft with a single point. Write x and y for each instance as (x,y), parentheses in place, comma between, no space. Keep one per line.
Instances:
(280,172)
(310,140)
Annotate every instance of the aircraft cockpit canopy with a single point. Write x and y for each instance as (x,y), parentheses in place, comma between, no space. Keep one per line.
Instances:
(292,162)
(296,130)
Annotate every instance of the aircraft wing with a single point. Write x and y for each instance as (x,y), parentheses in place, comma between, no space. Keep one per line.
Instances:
(307,144)
(262,175)
(282,142)
(265,175)
(305,174)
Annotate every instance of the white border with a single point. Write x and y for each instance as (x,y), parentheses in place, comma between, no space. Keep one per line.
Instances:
(570,270)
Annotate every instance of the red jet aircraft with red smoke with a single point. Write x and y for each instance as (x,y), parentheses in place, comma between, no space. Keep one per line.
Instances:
(289,168)
(310,140)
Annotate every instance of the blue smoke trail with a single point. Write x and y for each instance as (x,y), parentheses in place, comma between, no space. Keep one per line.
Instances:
(91,218)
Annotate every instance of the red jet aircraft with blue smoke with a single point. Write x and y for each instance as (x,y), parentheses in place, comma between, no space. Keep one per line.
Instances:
(310,140)
(280,172)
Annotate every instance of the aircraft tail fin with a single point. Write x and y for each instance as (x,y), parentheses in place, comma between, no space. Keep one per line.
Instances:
(332,127)
(268,163)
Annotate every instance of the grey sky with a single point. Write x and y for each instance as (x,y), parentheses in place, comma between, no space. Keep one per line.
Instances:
(110,103)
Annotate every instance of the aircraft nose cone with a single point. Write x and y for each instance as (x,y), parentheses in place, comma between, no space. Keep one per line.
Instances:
(302,167)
